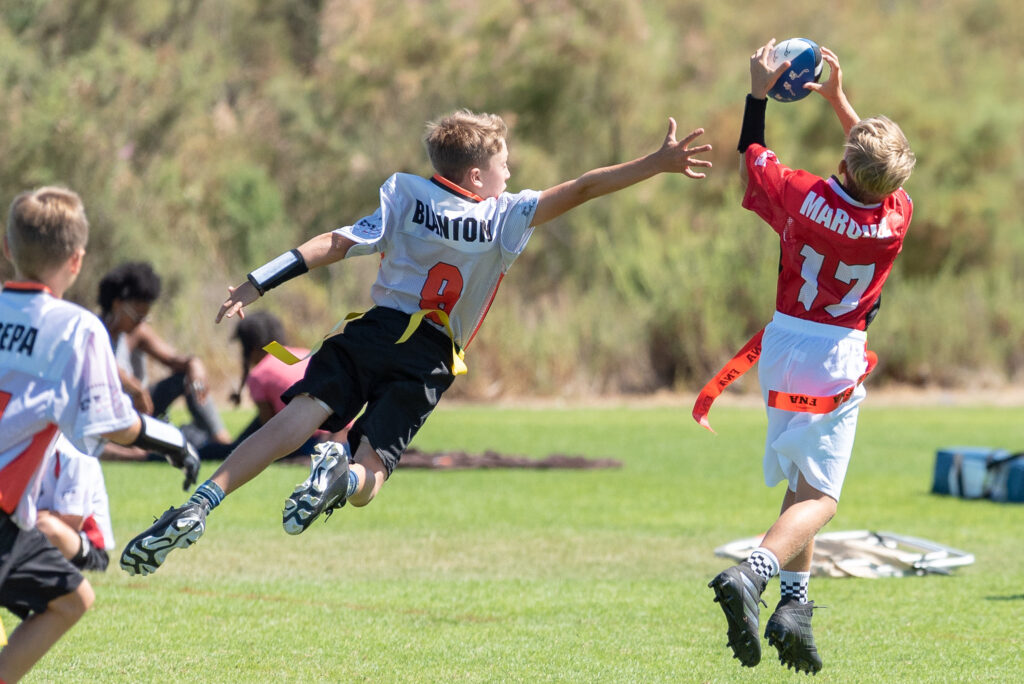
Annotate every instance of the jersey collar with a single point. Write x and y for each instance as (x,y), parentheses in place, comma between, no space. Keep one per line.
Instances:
(837,185)
(26,286)
(457,189)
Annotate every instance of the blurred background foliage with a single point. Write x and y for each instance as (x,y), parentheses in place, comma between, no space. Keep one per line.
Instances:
(209,137)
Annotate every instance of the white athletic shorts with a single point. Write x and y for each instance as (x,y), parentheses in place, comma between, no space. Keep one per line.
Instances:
(803,357)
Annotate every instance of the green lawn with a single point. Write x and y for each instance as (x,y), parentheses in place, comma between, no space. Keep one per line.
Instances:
(556,576)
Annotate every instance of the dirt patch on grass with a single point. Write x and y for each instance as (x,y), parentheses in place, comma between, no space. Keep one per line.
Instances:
(414,458)
(462,460)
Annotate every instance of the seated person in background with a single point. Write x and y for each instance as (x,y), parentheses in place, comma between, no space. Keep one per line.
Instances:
(267,378)
(74,512)
(126,295)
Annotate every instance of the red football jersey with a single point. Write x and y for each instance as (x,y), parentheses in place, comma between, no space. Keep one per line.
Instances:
(836,251)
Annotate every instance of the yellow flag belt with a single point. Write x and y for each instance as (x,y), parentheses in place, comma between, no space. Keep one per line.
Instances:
(278,350)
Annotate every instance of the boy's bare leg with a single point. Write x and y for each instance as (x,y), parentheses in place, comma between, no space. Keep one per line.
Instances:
(804,513)
(35,635)
(791,538)
(371,473)
(281,435)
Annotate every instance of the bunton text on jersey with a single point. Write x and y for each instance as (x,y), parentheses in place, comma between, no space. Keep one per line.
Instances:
(460,229)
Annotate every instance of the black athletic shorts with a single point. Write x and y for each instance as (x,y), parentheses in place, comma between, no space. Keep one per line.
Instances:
(32,571)
(400,384)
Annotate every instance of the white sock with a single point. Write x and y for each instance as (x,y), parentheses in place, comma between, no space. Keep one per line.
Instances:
(764,562)
(794,585)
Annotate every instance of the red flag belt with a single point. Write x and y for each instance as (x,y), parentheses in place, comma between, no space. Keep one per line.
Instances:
(743,361)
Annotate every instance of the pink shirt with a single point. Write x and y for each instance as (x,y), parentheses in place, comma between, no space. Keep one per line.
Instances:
(269,378)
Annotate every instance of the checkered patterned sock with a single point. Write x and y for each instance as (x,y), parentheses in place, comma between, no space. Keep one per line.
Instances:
(794,585)
(208,494)
(764,562)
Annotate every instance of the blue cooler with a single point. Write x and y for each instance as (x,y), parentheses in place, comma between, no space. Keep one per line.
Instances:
(1015,479)
(972,472)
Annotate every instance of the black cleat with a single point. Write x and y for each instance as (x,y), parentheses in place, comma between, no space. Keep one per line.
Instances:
(325,489)
(177,528)
(789,631)
(738,591)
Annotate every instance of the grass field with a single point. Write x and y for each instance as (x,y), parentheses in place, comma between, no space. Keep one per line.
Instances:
(556,576)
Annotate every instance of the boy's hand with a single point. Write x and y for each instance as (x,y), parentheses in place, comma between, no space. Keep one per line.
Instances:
(678,156)
(831,89)
(238,297)
(762,77)
(189,466)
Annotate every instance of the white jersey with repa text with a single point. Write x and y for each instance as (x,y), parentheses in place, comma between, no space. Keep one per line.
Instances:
(442,247)
(57,374)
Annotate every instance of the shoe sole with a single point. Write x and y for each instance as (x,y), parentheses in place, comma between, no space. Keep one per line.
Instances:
(744,642)
(312,497)
(791,650)
(147,552)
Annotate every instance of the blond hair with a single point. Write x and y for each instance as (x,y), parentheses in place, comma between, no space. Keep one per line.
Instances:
(463,140)
(44,228)
(878,156)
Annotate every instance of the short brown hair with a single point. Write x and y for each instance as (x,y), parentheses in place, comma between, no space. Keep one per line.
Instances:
(462,140)
(878,156)
(44,228)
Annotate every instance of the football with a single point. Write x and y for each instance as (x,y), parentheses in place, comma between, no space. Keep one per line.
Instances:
(805,65)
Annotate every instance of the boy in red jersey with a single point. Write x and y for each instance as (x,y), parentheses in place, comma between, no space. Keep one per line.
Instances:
(839,237)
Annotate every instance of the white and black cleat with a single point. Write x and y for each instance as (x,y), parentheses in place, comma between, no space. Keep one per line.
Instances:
(326,488)
(177,528)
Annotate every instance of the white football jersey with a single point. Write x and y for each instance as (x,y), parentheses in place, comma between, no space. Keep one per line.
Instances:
(73,485)
(442,247)
(57,373)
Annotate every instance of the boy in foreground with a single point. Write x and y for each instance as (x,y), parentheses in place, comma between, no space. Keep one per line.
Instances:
(839,238)
(73,509)
(57,375)
(445,244)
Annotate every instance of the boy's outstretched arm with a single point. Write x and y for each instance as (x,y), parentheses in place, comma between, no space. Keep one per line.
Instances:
(832,90)
(762,78)
(324,249)
(673,156)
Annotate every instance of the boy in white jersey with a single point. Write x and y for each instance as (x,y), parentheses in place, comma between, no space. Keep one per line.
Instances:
(445,243)
(73,508)
(839,238)
(57,375)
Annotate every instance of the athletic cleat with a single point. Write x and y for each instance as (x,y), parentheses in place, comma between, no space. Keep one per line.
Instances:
(177,528)
(738,591)
(326,488)
(789,631)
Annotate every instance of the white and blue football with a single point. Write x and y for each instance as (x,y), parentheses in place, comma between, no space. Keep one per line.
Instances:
(804,57)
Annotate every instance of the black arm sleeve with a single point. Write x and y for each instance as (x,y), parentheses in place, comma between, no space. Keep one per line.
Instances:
(283,268)
(753,123)
(167,440)
(163,438)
